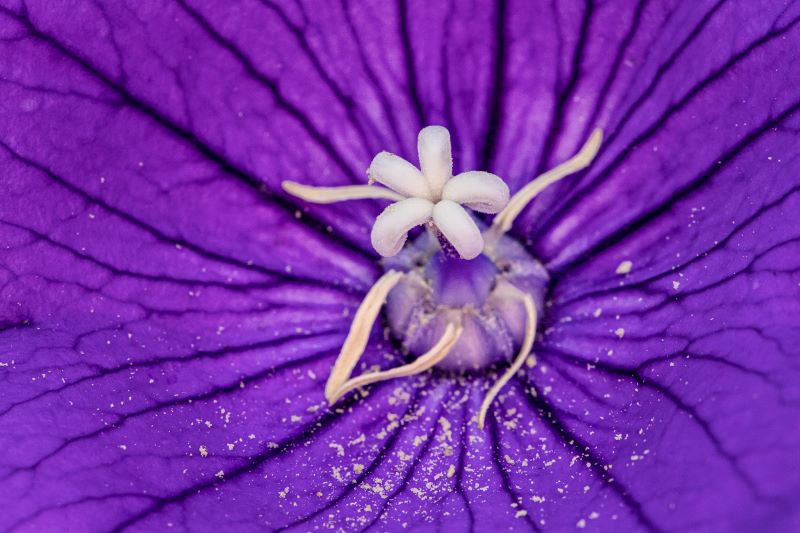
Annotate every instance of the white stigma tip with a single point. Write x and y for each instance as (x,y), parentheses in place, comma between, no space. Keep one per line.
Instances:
(435,157)
(458,228)
(480,191)
(390,231)
(399,175)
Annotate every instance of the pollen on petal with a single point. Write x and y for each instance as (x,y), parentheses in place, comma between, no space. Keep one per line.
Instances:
(390,231)
(624,267)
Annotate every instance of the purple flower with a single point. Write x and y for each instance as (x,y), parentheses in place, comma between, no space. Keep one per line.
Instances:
(170,315)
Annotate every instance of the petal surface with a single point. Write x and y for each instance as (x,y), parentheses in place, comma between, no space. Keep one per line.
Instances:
(169,317)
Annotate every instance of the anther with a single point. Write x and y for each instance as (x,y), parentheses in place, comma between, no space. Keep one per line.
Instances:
(505,219)
(356,341)
(522,355)
(439,351)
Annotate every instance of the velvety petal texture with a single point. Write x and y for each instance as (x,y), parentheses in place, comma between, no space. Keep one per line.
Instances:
(169,315)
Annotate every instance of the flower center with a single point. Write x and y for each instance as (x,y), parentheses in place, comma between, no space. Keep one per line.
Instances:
(439,289)
(458,297)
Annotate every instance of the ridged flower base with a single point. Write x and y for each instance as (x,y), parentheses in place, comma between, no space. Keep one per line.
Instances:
(439,289)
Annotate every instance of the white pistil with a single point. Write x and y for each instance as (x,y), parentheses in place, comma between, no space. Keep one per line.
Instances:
(505,219)
(439,351)
(418,195)
(357,338)
(525,349)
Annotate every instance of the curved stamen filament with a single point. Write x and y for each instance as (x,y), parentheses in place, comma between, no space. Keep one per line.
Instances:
(525,349)
(356,341)
(505,219)
(439,351)
(329,195)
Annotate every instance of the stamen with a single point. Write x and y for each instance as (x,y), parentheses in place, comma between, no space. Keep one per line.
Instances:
(525,349)
(356,341)
(439,351)
(329,195)
(503,221)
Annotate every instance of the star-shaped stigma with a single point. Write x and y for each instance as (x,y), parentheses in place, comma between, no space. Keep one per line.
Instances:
(433,194)
(428,195)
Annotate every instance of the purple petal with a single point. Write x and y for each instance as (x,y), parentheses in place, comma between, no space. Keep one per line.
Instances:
(170,317)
